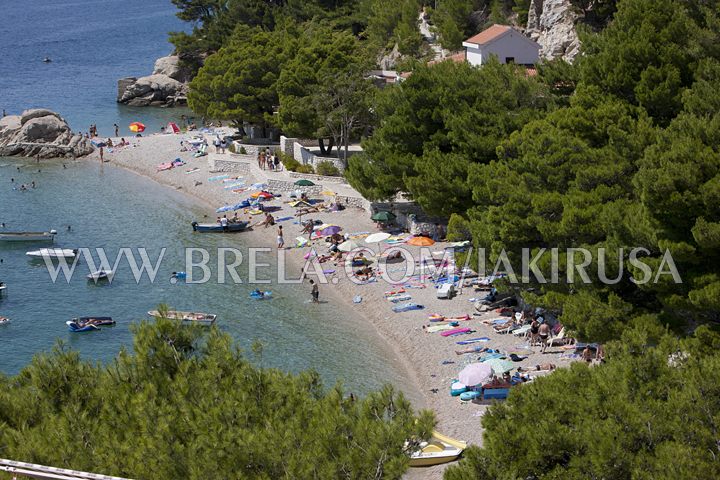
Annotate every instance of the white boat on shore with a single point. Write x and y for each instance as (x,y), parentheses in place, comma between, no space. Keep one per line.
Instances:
(28,236)
(192,317)
(440,449)
(53,253)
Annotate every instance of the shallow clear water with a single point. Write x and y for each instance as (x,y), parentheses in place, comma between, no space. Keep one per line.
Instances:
(92,43)
(112,208)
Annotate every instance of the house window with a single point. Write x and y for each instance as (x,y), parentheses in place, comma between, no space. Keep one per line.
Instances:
(509,59)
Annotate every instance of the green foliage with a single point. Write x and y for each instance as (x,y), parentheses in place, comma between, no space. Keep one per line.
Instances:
(189,405)
(521,9)
(239,82)
(306,168)
(391,23)
(650,412)
(438,123)
(327,168)
(288,161)
(452,21)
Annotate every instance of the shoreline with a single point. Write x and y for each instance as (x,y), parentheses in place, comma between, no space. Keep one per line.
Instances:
(429,359)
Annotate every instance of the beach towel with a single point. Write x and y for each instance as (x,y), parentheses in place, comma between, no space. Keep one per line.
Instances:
(456,331)
(473,340)
(283,219)
(407,307)
(399,298)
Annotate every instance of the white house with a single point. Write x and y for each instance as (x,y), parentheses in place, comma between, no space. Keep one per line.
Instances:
(503,42)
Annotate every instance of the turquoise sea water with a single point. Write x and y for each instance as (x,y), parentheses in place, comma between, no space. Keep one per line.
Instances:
(112,208)
(92,43)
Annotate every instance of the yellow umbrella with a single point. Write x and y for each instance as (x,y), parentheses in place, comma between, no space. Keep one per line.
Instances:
(136,127)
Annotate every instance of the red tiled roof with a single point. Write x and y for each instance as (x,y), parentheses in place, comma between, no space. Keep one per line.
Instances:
(458,57)
(488,35)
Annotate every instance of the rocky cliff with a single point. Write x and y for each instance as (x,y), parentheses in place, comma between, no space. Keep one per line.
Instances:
(166,87)
(40,132)
(551,23)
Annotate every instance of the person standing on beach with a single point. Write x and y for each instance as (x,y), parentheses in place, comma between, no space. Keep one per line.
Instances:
(314,292)
(280,239)
(544,334)
(101,154)
(117,129)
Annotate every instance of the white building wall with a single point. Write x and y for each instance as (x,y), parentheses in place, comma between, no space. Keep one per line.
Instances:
(473,56)
(512,45)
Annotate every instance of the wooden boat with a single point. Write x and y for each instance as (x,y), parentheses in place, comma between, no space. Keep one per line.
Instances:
(101,275)
(192,317)
(440,449)
(28,236)
(53,253)
(215,227)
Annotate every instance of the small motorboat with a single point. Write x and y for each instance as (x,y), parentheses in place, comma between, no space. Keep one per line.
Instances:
(440,449)
(191,317)
(47,60)
(258,295)
(53,253)
(4,320)
(28,236)
(77,328)
(101,275)
(215,227)
(97,321)
(3,286)
(178,275)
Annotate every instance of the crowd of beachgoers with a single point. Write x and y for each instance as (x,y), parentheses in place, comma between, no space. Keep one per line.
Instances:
(434,339)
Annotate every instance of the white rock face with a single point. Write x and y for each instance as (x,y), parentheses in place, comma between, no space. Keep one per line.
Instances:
(170,66)
(551,23)
(26,134)
(155,90)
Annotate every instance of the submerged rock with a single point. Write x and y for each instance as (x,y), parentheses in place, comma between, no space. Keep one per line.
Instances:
(40,132)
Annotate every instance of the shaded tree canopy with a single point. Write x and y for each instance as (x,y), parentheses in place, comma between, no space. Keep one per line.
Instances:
(188,405)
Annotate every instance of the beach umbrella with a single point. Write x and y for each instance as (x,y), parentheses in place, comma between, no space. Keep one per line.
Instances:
(377,237)
(226,208)
(347,246)
(330,230)
(475,374)
(499,365)
(136,127)
(266,195)
(421,241)
(304,183)
(383,217)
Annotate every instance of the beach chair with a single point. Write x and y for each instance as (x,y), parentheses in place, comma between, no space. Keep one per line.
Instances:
(522,330)
(559,339)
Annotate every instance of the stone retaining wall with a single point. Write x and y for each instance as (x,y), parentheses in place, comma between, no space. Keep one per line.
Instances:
(229,164)
(318,178)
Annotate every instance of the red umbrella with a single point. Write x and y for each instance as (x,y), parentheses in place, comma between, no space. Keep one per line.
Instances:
(136,127)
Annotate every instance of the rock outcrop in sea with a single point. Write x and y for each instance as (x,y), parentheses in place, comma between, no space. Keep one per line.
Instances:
(40,132)
(166,87)
(551,23)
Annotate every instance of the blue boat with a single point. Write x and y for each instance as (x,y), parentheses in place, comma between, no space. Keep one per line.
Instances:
(77,328)
(216,227)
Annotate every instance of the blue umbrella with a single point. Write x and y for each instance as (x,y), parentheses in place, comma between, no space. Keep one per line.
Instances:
(330,230)
(226,208)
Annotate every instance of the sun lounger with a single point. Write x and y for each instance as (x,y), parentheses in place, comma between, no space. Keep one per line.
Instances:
(522,330)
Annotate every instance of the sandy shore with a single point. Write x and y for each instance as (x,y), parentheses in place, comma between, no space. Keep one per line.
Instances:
(429,358)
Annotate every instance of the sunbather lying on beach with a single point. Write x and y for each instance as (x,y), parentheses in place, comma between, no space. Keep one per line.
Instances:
(364,273)
(538,368)
(476,349)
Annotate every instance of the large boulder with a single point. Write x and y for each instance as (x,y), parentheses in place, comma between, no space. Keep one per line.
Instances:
(40,132)
(551,23)
(155,90)
(171,67)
